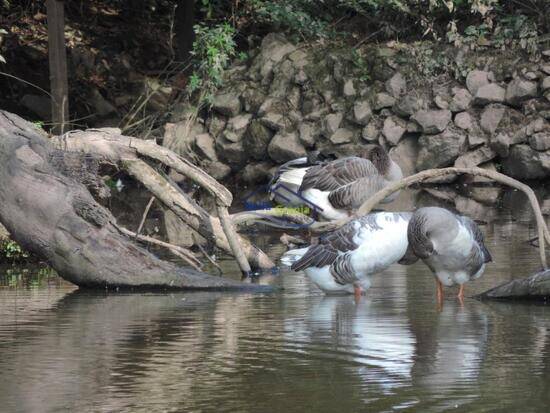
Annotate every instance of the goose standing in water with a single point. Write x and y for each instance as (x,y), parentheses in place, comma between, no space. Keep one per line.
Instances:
(336,188)
(450,245)
(344,260)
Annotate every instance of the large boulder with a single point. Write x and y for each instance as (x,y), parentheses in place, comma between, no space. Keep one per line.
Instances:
(362,112)
(476,79)
(227,103)
(232,153)
(283,77)
(273,49)
(236,127)
(332,123)
(394,129)
(308,133)
(252,98)
(540,141)
(463,120)
(491,117)
(490,93)
(341,135)
(524,162)
(461,100)
(408,105)
(285,146)
(256,139)
(205,146)
(216,169)
(519,90)
(432,121)
(371,132)
(383,100)
(396,85)
(476,157)
(405,154)
(438,151)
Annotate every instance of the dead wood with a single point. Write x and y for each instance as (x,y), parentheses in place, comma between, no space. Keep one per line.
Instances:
(55,217)
(128,152)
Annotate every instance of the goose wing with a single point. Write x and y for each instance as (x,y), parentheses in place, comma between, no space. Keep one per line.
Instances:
(352,195)
(330,246)
(473,228)
(332,175)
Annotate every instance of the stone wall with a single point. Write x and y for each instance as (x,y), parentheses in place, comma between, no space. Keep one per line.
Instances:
(288,99)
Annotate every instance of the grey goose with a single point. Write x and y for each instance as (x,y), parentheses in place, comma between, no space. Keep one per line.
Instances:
(451,245)
(344,260)
(335,188)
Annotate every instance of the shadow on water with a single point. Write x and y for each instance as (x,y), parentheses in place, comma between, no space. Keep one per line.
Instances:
(66,349)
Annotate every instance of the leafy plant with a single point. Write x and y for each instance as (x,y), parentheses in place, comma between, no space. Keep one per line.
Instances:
(360,64)
(212,50)
(12,250)
(39,124)
(298,16)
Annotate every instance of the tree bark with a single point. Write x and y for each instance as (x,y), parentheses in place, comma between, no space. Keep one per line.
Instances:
(59,84)
(534,287)
(126,151)
(55,217)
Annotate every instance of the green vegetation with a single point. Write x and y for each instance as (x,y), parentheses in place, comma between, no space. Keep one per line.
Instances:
(12,251)
(212,51)
(23,277)
(497,24)
(142,57)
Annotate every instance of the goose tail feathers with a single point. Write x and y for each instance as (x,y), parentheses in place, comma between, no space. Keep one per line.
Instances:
(292,256)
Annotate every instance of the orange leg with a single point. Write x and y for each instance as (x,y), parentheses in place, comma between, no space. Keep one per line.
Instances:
(461,294)
(357,292)
(440,292)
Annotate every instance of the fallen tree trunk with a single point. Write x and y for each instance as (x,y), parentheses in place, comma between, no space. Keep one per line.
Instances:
(534,287)
(55,217)
(125,151)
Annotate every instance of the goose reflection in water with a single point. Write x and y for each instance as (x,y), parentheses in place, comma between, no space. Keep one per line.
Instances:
(452,344)
(375,340)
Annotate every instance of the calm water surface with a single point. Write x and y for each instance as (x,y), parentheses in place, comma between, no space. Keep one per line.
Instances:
(294,351)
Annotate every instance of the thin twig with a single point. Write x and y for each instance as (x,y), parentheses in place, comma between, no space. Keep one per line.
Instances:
(366,39)
(144,216)
(181,252)
(209,258)
(27,82)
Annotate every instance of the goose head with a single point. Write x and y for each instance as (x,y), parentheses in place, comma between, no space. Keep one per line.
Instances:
(384,164)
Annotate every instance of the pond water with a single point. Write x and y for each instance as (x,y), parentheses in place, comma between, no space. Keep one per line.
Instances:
(63,349)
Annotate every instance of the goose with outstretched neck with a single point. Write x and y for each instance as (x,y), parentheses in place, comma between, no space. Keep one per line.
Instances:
(451,245)
(335,189)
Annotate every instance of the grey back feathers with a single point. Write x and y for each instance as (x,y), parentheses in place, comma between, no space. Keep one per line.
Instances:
(352,195)
(332,175)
